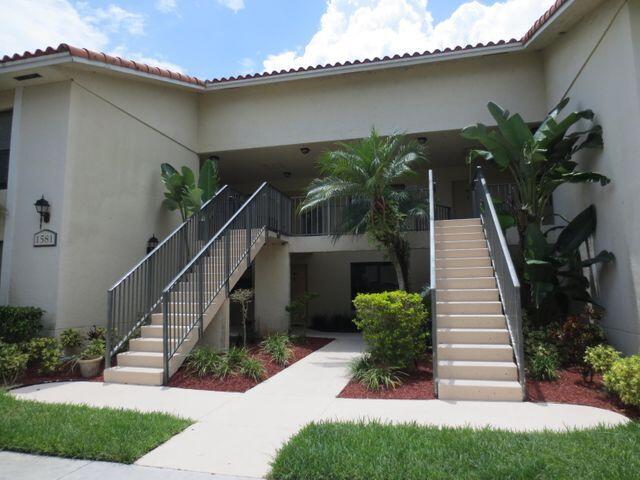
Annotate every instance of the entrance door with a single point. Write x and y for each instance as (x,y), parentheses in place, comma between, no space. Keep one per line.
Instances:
(298,281)
(461,199)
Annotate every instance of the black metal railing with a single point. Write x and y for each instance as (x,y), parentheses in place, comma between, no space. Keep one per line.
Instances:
(138,293)
(506,276)
(433,280)
(326,219)
(193,290)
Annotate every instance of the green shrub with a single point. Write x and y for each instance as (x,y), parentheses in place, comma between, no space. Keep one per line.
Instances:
(393,326)
(600,358)
(203,361)
(45,353)
(278,347)
(623,379)
(574,336)
(235,356)
(13,363)
(70,338)
(252,368)
(375,377)
(543,363)
(19,324)
(96,332)
(94,349)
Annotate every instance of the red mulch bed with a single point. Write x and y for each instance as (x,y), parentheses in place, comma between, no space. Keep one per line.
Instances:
(238,383)
(67,374)
(570,387)
(417,386)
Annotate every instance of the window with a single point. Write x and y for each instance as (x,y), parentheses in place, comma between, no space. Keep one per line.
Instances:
(5,141)
(372,278)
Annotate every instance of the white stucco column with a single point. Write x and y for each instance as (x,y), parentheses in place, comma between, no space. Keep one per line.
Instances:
(216,334)
(272,287)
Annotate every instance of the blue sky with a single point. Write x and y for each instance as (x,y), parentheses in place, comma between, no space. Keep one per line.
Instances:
(215,38)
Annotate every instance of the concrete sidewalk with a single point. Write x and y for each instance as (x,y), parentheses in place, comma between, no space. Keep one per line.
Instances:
(239,434)
(22,466)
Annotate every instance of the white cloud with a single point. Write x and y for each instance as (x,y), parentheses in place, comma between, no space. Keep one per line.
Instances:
(234,5)
(114,19)
(247,65)
(166,6)
(57,21)
(154,61)
(359,29)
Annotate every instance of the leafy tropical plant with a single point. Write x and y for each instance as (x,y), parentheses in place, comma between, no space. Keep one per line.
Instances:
(203,361)
(367,173)
(543,362)
(375,377)
(93,350)
(539,161)
(278,347)
(70,338)
(243,296)
(623,378)
(600,359)
(555,270)
(183,193)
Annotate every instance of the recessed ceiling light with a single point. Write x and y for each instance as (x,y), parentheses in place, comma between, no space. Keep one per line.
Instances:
(286,174)
(305,150)
(422,140)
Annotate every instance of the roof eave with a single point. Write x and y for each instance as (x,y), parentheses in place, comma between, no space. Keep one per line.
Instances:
(366,67)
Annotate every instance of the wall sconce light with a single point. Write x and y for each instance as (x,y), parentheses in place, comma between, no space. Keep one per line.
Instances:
(42,207)
(305,150)
(422,140)
(286,174)
(152,243)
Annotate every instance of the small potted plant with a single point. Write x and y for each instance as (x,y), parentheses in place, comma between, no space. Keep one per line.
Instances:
(91,357)
(71,340)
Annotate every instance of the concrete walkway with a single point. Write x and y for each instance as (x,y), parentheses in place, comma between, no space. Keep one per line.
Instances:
(22,466)
(238,434)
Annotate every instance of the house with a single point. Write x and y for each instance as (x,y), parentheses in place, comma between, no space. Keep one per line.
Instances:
(87,132)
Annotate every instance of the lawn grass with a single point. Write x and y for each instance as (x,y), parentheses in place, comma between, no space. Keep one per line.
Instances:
(82,432)
(375,451)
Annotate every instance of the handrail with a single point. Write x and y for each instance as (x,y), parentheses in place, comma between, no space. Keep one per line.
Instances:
(433,282)
(137,294)
(506,276)
(325,218)
(192,291)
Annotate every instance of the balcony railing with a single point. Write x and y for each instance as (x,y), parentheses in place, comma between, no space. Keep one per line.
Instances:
(327,218)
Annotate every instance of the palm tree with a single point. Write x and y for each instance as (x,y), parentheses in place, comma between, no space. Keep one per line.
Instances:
(367,172)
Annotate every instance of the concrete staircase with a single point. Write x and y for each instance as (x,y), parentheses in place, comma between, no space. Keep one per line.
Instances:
(475,356)
(143,363)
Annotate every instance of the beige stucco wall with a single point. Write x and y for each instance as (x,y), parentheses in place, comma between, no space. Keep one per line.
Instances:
(431,97)
(272,285)
(37,167)
(113,191)
(6,102)
(609,86)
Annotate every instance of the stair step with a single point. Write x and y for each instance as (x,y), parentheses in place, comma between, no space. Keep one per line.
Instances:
(463,253)
(464,272)
(494,308)
(156,331)
(468,295)
(134,375)
(471,321)
(493,336)
(156,318)
(154,344)
(140,359)
(463,262)
(461,283)
(475,352)
(477,234)
(460,244)
(469,370)
(486,390)
(458,222)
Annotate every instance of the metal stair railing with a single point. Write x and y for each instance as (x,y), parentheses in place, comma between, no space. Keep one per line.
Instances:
(188,296)
(506,276)
(133,298)
(433,281)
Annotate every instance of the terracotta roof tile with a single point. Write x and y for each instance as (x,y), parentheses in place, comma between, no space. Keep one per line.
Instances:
(161,72)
